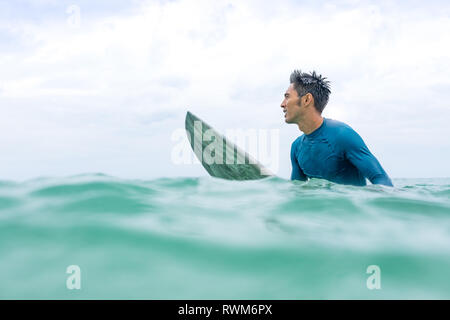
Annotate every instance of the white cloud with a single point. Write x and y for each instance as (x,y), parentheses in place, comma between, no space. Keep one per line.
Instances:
(117,86)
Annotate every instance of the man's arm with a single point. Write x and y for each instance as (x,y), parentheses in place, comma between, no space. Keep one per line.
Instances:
(297,172)
(359,155)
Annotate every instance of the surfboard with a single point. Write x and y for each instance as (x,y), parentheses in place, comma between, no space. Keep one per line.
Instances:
(220,157)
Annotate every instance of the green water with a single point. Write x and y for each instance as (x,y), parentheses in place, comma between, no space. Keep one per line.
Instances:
(205,238)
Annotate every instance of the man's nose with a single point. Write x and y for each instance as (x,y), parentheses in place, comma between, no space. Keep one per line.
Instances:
(283,104)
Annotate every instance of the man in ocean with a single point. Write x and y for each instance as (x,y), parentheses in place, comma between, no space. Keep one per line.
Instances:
(328,149)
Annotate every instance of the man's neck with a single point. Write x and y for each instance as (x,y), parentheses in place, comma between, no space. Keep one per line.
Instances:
(308,126)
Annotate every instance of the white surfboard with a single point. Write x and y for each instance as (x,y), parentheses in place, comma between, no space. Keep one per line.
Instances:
(220,157)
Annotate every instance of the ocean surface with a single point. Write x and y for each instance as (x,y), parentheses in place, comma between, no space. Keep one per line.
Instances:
(206,238)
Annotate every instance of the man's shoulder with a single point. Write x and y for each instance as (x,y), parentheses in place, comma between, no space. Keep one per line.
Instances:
(337,125)
(344,135)
(340,129)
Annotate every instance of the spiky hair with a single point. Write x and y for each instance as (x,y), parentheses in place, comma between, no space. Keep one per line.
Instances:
(312,83)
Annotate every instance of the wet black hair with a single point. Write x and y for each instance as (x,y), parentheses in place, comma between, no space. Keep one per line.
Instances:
(312,83)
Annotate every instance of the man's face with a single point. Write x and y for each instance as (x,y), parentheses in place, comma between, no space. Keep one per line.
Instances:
(291,105)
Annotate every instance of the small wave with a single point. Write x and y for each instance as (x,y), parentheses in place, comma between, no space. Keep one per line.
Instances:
(298,235)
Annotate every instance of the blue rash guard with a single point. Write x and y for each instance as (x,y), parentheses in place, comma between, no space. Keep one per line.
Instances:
(335,152)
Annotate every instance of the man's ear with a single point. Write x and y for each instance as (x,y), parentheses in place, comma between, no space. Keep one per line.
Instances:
(309,99)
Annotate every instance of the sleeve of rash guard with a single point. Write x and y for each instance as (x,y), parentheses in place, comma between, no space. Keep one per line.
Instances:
(359,155)
(297,173)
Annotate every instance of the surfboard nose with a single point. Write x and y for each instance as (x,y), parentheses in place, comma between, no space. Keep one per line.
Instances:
(190,118)
(190,115)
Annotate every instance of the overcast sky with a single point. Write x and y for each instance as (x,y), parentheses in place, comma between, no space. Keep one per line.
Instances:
(102,85)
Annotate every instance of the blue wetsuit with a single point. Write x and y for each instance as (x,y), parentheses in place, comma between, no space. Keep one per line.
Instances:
(335,152)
